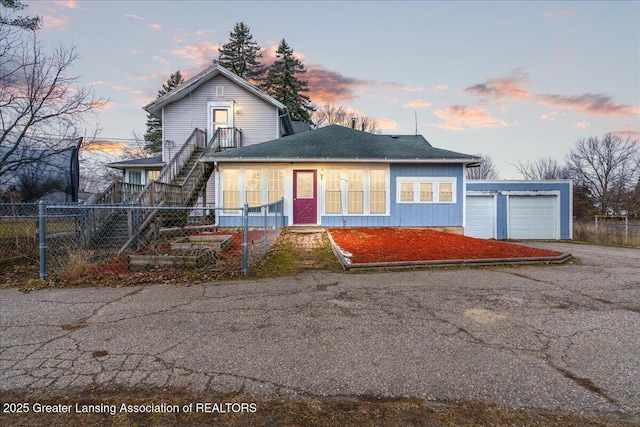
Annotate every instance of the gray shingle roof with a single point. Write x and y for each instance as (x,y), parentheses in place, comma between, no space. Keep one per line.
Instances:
(148,162)
(339,143)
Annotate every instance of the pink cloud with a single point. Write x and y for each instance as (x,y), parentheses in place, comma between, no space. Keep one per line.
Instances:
(442,87)
(140,78)
(592,103)
(460,117)
(326,86)
(107,105)
(55,22)
(200,53)
(134,17)
(404,87)
(418,103)
(386,124)
(156,27)
(633,134)
(582,125)
(69,4)
(160,59)
(502,88)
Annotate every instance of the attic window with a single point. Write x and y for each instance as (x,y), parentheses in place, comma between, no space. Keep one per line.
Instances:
(219,90)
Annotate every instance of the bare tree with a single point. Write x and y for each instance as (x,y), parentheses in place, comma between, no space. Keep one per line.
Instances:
(95,175)
(42,107)
(607,167)
(330,114)
(541,169)
(486,170)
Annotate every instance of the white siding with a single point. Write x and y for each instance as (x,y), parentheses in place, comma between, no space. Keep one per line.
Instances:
(256,118)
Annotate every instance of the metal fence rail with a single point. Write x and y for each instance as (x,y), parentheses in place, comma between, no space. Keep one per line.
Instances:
(65,238)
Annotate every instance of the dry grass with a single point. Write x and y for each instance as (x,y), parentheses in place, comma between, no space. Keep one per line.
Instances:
(274,411)
(608,234)
(77,267)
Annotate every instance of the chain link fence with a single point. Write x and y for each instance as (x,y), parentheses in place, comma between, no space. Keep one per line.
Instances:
(605,232)
(18,233)
(72,240)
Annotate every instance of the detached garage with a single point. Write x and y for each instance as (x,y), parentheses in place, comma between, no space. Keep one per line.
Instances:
(534,210)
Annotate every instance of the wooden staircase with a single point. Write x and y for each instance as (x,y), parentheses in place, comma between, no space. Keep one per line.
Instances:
(179,184)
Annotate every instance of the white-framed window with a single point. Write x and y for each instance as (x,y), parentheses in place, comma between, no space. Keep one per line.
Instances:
(135,177)
(377,191)
(253,187)
(355,195)
(332,193)
(351,191)
(231,190)
(426,190)
(275,184)
(152,175)
(260,185)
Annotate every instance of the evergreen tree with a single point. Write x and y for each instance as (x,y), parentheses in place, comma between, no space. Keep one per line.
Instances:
(24,22)
(153,136)
(241,54)
(283,84)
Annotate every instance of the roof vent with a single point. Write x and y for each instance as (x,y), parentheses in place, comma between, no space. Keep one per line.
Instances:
(353,122)
(394,136)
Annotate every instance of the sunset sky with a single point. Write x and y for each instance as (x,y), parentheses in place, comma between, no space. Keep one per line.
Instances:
(514,80)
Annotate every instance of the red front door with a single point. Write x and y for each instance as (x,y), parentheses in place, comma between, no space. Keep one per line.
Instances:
(305,203)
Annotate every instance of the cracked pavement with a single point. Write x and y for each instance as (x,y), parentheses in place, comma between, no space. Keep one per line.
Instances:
(554,338)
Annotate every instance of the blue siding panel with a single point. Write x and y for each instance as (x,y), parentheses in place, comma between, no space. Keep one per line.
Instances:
(427,214)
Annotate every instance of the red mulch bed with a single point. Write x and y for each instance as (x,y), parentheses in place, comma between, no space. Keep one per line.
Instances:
(375,245)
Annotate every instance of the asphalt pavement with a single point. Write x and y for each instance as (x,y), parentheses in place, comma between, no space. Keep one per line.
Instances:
(555,338)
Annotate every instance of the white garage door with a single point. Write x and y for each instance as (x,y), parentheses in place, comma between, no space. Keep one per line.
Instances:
(533,217)
(481,219)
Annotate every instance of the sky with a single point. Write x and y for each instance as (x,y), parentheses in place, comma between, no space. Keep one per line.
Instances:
(513,80)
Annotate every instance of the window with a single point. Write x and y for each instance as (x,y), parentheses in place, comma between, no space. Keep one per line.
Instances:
(356,191)
(426,190)
(377,191)
(355,194)
(275,182)
(230,190)
(333,195)
(406,191)
(445,192)
(152,175)
(135,177)
(253,187)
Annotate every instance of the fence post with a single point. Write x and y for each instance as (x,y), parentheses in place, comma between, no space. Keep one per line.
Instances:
(266,244)
(42,234)
(245,239)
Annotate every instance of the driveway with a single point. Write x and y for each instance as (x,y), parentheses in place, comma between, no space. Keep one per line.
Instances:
(560,338)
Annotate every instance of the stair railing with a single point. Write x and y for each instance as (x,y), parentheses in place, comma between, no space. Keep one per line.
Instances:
(197,139)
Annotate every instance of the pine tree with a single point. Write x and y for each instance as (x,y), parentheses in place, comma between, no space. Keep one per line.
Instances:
(283,84)
(153,136)
(241,54)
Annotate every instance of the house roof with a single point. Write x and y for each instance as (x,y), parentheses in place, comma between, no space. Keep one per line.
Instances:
(191,84)
(146,162)
(342,144)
